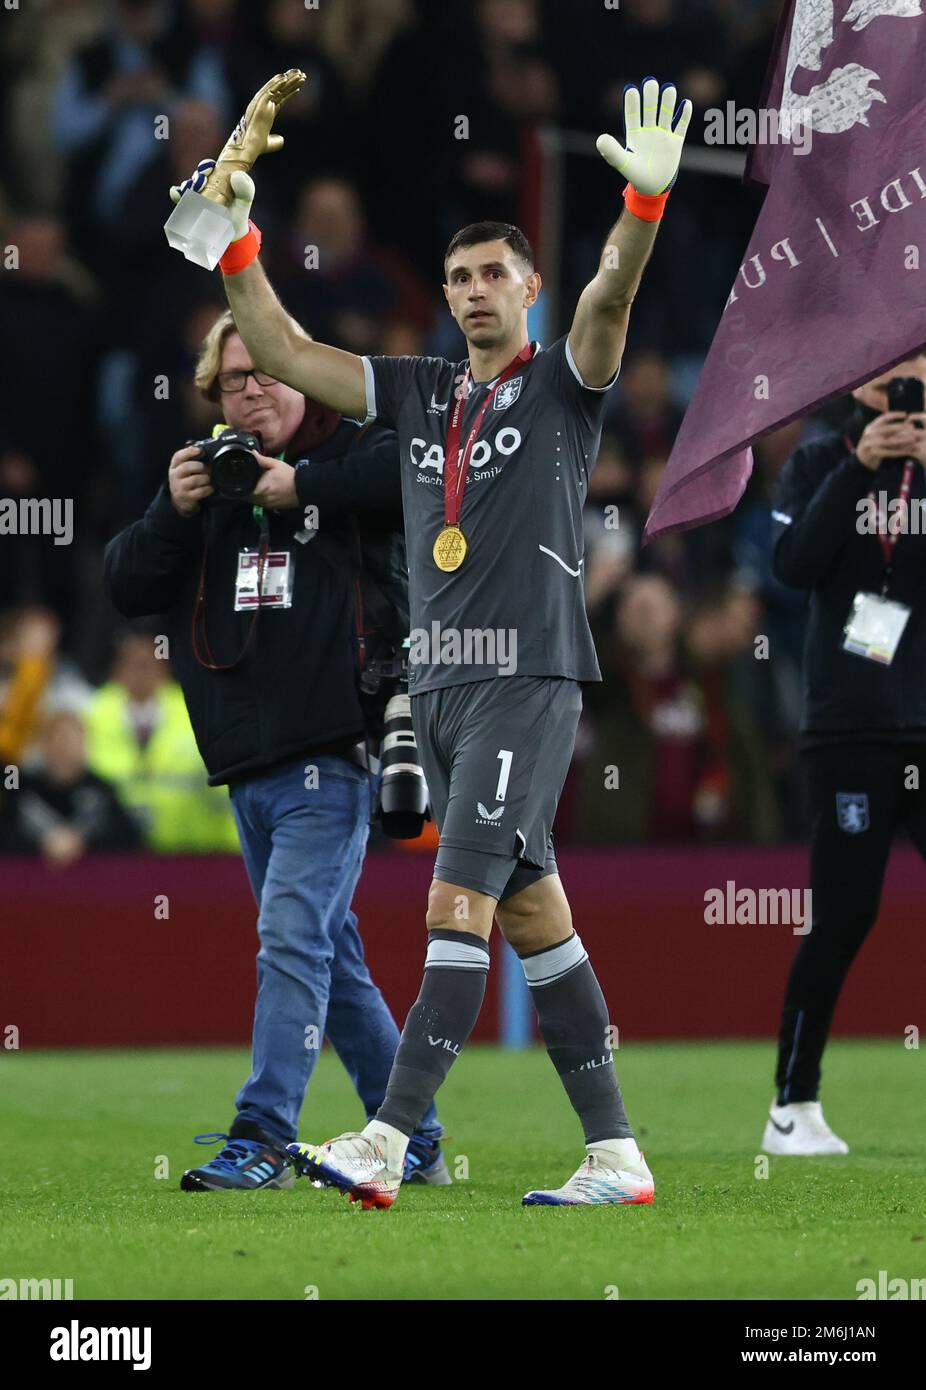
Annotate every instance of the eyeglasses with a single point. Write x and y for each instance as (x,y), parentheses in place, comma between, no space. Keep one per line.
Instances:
(230,382)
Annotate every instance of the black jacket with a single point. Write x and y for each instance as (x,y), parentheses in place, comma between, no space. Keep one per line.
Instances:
(818,547)
(295,691)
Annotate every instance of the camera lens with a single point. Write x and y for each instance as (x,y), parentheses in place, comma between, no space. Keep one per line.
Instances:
(235,472)
(403,792)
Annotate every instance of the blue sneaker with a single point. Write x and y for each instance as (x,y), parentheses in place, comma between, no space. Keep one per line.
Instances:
(244,1165)
(424,1162)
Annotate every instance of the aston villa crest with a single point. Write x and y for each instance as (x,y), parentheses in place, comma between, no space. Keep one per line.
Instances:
(507,393)
(852,812)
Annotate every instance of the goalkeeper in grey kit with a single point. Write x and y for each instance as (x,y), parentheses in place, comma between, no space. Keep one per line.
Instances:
(496,454)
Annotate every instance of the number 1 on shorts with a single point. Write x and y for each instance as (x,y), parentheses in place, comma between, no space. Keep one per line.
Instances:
(505,755)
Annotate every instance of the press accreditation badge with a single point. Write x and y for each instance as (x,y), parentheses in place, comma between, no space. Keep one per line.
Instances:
(276,589)
(875,627)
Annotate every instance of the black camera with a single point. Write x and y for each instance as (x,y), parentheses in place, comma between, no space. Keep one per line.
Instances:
(231,458)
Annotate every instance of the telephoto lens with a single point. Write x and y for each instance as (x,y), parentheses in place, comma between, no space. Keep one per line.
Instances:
(403,795)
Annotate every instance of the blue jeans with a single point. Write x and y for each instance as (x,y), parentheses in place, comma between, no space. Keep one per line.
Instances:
(303,850)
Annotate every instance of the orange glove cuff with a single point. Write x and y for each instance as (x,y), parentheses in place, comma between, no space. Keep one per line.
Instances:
(649,208)
(242,252)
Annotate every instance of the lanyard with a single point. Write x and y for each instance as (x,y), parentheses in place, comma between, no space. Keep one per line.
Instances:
(456,466)
(198,625)
(885,540)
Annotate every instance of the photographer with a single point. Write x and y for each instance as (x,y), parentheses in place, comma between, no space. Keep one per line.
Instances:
(260,598)
(848,526)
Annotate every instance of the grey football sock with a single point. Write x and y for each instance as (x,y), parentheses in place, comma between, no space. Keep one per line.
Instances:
(438,1024)
(573,1020)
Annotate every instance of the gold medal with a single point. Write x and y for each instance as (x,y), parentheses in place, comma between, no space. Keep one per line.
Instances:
(450,549)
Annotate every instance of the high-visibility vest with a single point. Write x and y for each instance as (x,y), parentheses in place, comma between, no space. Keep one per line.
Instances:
(163,784)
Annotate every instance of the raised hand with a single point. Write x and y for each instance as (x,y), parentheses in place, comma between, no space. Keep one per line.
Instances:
(653,153)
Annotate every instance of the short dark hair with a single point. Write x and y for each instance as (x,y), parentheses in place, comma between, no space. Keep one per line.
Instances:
(478,232)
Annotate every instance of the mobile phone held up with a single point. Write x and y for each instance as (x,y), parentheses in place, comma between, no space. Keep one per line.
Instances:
(905,393)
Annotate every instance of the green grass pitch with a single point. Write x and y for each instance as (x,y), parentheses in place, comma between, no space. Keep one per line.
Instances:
(84,1132)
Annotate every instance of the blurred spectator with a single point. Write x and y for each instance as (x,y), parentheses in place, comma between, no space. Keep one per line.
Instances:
(612,526)
(689,760)
(144,422)
(751,553)
(607,566)
(196,130)
(36,45)
(664,36)
(316,121)
(48,350)
(691,560)
(27,648)
(205,41)
(107,101)
(355,288)
(612,481)
(139,739)
(483,75)
(677,38)
(355,35)
(643,414)
(36,680)
(64,811)
(32,681)
(773,687)
(402,339)
(156,320)
(512,85)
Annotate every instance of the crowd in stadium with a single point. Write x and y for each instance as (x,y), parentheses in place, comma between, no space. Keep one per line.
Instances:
(96,315)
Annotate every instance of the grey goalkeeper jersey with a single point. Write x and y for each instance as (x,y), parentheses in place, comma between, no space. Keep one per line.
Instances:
(516,605)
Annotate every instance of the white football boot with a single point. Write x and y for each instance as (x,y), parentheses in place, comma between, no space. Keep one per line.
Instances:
(367,1166)
(611,1172)
(800,1129)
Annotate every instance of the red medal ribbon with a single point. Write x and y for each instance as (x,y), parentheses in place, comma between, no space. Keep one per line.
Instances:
(456,466)
(886,540)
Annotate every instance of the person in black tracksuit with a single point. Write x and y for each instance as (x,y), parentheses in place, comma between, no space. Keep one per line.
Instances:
(863,727)
(273,693)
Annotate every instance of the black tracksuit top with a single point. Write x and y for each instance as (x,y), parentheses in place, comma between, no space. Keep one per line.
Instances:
(817,546)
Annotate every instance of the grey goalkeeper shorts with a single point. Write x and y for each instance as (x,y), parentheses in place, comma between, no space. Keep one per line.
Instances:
(495,754)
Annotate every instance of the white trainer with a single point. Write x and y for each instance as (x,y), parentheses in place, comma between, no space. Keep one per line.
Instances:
(362,1165)
(602,1177)
(800,1129)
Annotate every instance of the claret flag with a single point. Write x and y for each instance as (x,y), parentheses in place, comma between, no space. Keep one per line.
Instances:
(831,291)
